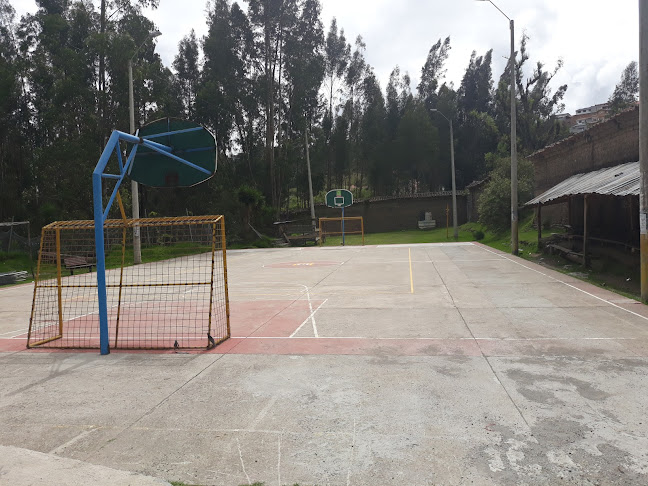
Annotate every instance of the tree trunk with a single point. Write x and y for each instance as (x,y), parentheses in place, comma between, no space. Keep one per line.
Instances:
(270,156)
(102,74)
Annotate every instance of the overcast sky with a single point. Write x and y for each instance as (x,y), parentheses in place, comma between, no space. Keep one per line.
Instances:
(596,39)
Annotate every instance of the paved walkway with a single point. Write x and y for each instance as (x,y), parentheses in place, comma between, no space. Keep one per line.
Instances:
(22,467)
(407,364)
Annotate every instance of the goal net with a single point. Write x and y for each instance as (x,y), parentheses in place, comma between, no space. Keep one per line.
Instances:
(351,227)
(177,297)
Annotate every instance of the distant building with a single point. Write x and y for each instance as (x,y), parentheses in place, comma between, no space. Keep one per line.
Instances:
(584,118)
(596,165)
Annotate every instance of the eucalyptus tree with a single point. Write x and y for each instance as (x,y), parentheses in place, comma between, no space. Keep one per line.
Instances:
(417,149)
(57,52)
(226,70)
(272,21)
(14,143)
(337,54)
(476,90)
(106,28)
(432,72)
(186,65)
(355,75)
(626,92)
(537,103)
(477,133)
(373,132)
(304,74)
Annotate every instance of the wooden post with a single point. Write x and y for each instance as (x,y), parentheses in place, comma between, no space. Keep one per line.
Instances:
(585,230)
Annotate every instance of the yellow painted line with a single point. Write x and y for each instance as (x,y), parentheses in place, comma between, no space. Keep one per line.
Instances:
(409,251)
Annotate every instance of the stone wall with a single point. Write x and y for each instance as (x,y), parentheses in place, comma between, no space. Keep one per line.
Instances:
(610,143)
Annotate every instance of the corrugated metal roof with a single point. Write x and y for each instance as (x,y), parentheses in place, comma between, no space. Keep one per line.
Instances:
(620,180)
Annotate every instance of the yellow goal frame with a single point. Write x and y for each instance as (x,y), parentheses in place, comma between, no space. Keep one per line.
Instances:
(323,233)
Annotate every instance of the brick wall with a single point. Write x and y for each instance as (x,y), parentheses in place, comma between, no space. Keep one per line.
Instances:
(395,214)
(610,143)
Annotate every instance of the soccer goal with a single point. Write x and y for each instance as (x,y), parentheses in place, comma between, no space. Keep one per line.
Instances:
(351,226)
(176,298)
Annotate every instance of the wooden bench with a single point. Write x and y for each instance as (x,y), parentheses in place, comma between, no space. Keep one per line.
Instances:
(568,253)
(296,234)
(74,262)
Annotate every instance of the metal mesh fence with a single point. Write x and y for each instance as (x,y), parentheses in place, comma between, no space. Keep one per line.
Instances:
(177,297)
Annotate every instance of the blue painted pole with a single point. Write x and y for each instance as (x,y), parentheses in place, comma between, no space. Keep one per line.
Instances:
(101,263)
(342,225)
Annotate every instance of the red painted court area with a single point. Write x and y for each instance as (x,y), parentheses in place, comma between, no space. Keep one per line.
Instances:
(409,300)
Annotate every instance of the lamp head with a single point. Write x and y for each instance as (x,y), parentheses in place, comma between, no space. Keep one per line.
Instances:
(155,33)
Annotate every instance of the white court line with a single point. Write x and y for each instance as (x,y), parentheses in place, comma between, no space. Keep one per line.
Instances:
(311,316)
(425,245)
(19,331)
(565,283)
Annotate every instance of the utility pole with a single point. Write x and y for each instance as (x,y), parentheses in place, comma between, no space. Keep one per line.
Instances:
(514,176)
(643,145)
(514,161)
(310,183)
(454,185)
(137,242)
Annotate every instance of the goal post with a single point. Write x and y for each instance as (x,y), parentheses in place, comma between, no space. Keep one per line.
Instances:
(349,225)
(177,298)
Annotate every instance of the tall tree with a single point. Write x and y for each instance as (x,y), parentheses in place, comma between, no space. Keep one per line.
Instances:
(626,93)
(304,76)
(432,72)
(355,75)
(13,110)
(188,71)
(475,92)
(372,132)
(271,21)
(536,104)
(337,53)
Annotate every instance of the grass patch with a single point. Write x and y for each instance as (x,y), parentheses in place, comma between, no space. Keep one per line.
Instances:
(155,253)
(437,235)
(16,261)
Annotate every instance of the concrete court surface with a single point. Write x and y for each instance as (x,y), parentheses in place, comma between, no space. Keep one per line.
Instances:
(384,365)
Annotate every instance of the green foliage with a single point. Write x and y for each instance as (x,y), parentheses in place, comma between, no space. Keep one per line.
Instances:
(64,81)
(626,92)
(537,103)
(494,205)
(14,261)
(250,196)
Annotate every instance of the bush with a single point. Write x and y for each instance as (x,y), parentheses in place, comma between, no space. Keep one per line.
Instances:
(264,242)
(479,235)
(494,205)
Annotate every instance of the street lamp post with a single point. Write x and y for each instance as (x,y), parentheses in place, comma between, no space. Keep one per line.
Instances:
(454,186)
(137,244)
(514,177)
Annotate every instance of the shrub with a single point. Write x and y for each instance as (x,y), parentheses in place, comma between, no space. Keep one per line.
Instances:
(494,205)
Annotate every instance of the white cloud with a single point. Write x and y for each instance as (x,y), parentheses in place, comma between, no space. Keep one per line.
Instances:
(595,39)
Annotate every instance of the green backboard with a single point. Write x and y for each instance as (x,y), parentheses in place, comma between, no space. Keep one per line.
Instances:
(188,140)
(339,198)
